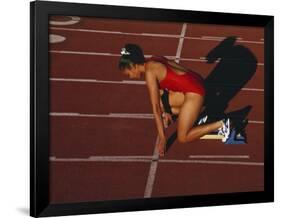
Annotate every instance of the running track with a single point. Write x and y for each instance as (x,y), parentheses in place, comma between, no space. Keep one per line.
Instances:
(103,134)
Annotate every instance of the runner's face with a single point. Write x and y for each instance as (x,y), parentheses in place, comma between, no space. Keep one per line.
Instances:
(132,73)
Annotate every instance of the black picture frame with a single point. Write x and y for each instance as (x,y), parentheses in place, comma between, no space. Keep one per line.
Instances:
(39,108)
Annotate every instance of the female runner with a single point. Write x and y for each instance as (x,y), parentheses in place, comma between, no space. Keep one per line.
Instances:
(186,98)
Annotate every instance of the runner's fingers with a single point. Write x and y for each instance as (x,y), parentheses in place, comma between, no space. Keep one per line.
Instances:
(170,119)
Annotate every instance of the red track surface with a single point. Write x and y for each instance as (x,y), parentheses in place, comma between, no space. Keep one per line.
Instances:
(86,143)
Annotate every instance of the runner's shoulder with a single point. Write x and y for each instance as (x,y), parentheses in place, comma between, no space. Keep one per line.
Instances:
(154,65)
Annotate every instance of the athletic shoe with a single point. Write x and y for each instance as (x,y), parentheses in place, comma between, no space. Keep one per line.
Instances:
(202,120)
(225,129)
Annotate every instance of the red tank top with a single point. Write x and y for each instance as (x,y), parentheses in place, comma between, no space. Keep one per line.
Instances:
(188,82)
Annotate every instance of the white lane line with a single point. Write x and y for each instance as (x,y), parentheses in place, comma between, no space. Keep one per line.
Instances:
(196,59)
(129,82)
(153,168)
(132,115)
(152,172)
(180,45)
(256,122)
(160,35)
(134,82)
(85,30)
(204,59)
(239,39)
(220,156)
(62,114)
(201,59)
(205,38)
(229,60)
(119,115)
(98,81)
(252,89)
(88,81)
(108,157)
(154,164)
(248,41)
(149,157)
(83,53)
(96,53)
(218,37)
(112,115)
(143,160)
(116,32)
(212,162)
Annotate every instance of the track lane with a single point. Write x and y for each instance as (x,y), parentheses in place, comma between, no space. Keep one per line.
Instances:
(198,49)
(186,178)
(98,181)
(107,43)
(244,32)
(175,179)
(95,98)
(125,137)
(84,137)
(123,25)
(90,67)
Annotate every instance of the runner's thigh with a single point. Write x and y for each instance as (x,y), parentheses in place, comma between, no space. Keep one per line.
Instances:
(188,113)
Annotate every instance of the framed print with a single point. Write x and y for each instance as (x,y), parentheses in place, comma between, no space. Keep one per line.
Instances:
(146,108)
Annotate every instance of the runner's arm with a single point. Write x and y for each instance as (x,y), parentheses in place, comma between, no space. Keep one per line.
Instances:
(152,85)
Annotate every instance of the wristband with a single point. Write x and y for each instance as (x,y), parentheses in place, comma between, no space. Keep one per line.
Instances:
(165,101)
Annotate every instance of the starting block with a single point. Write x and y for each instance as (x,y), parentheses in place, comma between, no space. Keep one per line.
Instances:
(212,136)
(234,138)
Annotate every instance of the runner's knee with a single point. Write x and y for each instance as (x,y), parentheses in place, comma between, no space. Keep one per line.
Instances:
(181,137)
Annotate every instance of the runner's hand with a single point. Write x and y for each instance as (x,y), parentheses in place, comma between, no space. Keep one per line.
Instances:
(167,119)
(161,146)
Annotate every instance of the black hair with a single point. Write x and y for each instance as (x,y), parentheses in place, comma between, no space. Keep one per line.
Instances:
(131,54)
